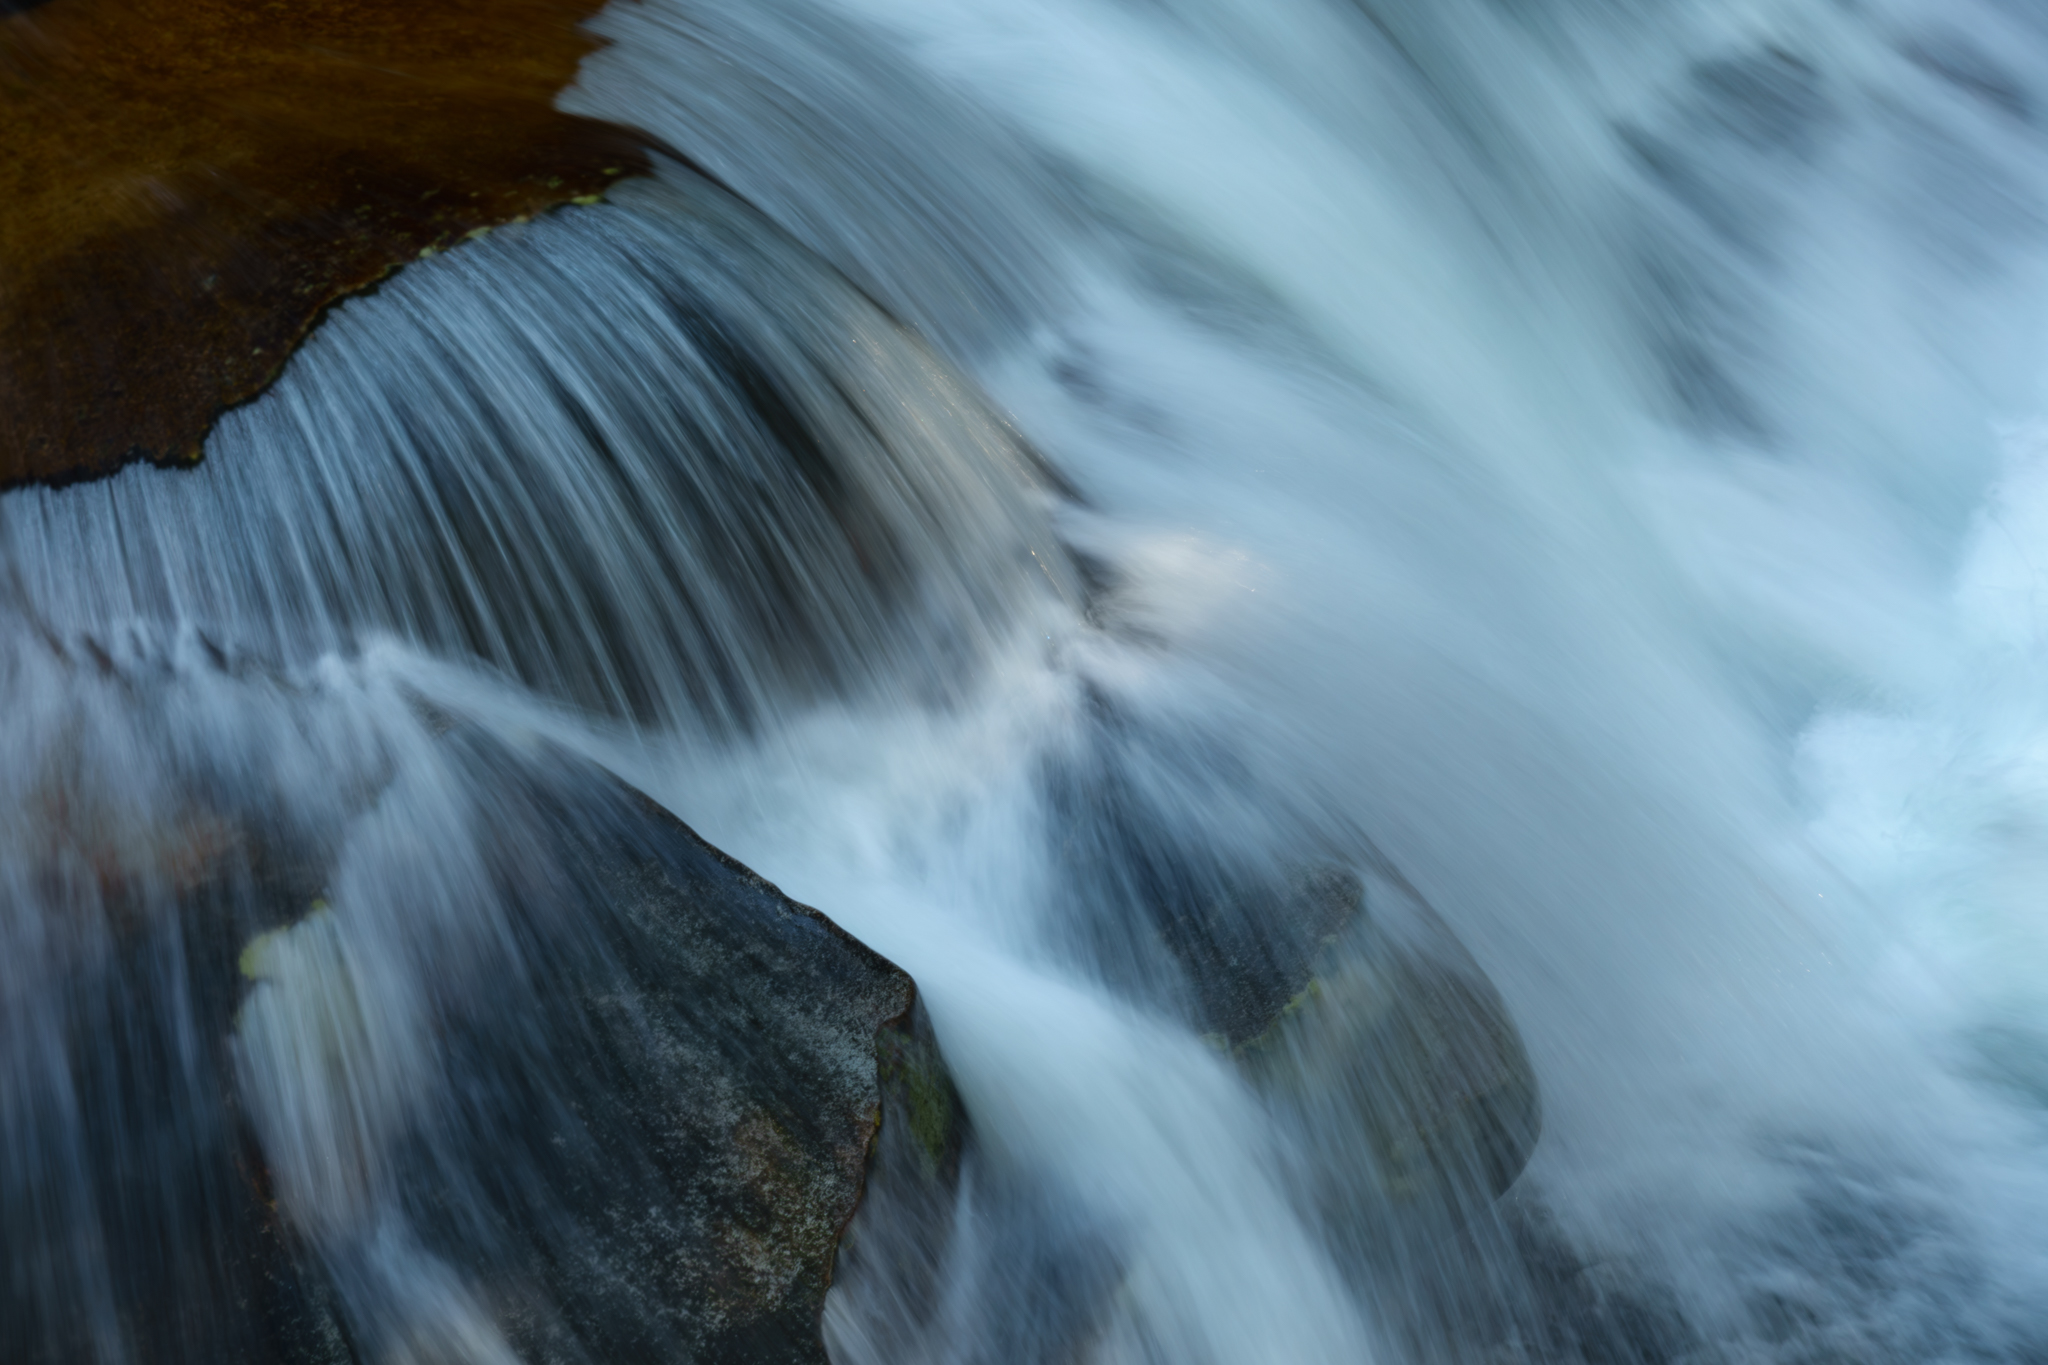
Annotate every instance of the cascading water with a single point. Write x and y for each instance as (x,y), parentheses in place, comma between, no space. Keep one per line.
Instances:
(1567,462)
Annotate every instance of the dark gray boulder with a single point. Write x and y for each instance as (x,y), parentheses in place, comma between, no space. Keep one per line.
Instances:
(658,1102)
(1388,1060)
(507,1064)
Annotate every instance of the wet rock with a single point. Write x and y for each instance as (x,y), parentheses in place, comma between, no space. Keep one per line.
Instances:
(641,1141)
(1606,1311)
(1164,841)
(919,1279)
(1245,995)
(581,1090)
(892,1270)
(1370,1029)
(137,1212)
(1399,1048)
(189,185)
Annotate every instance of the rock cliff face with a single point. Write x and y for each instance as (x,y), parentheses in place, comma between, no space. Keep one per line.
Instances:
(189,183)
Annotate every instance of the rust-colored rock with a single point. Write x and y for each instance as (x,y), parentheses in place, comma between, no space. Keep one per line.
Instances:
(189,183)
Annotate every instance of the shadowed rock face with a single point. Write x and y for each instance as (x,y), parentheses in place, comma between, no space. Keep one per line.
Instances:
(189,183)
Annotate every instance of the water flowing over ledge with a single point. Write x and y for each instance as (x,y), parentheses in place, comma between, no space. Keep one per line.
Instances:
(1092,466)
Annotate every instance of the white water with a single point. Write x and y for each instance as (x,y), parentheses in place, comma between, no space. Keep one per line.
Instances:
(1583,446)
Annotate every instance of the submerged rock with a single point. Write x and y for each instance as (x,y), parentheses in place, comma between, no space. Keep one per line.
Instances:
(1400,1051)
(1371,1031)
(1390,1063)
(1374,1034)
(1192,884)
(1164,843)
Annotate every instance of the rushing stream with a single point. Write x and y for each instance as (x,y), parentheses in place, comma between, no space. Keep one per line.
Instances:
(1580,463)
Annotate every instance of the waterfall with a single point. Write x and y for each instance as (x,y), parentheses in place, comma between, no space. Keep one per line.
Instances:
(1571,466)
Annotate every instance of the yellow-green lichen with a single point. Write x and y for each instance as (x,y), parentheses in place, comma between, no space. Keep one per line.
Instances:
(913,1072)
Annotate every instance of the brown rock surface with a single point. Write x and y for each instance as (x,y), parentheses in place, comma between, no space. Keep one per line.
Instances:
(188,183)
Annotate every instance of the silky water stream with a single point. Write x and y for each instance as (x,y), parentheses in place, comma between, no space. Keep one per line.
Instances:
(1568,466)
